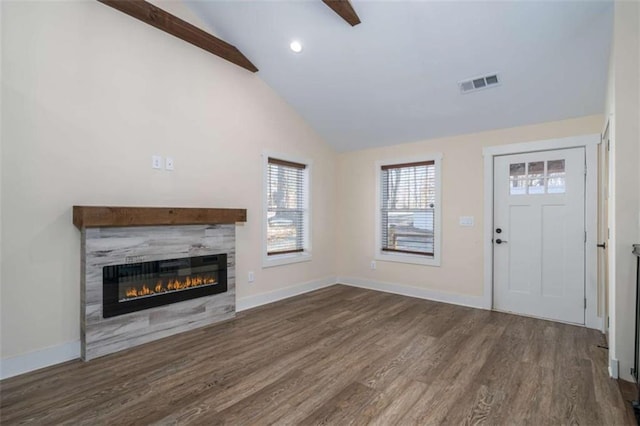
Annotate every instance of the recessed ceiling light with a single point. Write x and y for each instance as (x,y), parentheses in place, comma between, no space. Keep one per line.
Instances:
(296,46)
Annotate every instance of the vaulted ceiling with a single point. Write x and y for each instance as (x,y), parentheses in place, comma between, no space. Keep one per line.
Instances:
(394,77)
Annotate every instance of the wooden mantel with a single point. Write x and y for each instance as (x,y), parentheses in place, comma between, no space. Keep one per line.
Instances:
(101,217)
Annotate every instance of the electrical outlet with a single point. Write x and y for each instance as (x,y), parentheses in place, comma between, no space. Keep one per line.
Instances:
(373,265)
(156,161)
(251,277)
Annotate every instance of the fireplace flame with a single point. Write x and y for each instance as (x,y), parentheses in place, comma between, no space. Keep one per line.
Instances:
(171,285)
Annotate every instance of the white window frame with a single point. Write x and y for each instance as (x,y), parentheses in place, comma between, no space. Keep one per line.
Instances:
(437,232)
(286,258)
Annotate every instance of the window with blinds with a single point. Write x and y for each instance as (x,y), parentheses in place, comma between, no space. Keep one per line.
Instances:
(286,207)
(408,196)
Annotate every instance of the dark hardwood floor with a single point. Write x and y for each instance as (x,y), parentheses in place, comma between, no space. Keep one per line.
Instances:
(340,356)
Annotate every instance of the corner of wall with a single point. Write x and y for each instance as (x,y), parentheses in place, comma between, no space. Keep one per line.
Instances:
(1,166)
(625,182)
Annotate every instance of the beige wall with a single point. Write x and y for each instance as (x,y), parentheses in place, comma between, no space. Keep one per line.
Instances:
(89,94)
(85,107)
(623,107)
(461,270)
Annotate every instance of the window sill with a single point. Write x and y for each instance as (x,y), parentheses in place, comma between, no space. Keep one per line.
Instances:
(285,259)
(408,258)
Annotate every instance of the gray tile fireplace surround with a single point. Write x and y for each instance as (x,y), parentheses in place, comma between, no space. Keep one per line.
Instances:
(117,245)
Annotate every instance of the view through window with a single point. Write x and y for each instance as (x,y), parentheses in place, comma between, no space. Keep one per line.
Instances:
(286,207)
(408,207)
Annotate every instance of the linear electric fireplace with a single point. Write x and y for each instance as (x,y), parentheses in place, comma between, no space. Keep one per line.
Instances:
(132,236)
(133,287)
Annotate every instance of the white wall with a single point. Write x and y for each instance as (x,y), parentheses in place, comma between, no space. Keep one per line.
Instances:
(461,272)
(609,227)
(89,94)
(623,109)
(1,134)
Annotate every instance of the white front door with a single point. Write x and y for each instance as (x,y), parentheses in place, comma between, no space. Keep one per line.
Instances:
(539,234)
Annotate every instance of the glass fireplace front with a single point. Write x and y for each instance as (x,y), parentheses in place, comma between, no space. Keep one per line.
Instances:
(133,287)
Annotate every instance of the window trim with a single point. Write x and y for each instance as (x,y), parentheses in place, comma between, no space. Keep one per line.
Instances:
(278,259)
(397,256)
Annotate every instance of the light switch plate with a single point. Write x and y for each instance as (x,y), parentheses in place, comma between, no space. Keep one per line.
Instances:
(156,161)
(168,163)
(466,220)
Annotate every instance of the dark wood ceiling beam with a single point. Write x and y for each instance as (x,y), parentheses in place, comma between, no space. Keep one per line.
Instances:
(345,10)
(154,16)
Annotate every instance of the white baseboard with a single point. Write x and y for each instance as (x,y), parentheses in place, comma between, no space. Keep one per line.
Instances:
(420,293)
(20,364)
(262,299)
(596,323)
(15,365)
(613,368)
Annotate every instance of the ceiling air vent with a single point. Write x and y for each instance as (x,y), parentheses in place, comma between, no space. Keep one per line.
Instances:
(479,83)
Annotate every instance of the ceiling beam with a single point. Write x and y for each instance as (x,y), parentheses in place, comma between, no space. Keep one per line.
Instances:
(154,16)
(345,10)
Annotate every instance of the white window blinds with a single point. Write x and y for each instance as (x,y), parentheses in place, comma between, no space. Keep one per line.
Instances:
(408,208)
(286,207)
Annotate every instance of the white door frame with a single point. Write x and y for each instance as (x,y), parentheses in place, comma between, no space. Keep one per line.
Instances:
(590,144)
(601,277)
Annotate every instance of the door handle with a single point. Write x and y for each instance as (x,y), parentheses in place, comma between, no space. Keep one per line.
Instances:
(603,245)
(499,241)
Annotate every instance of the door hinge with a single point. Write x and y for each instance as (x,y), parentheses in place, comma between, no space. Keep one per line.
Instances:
(608,145)
(585,236)
(585,303)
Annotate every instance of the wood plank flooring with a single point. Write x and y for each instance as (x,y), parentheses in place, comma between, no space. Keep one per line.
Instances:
(340,356)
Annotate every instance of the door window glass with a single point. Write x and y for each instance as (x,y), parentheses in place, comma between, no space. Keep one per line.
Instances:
(518,178)
(555,177)
(537,177)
